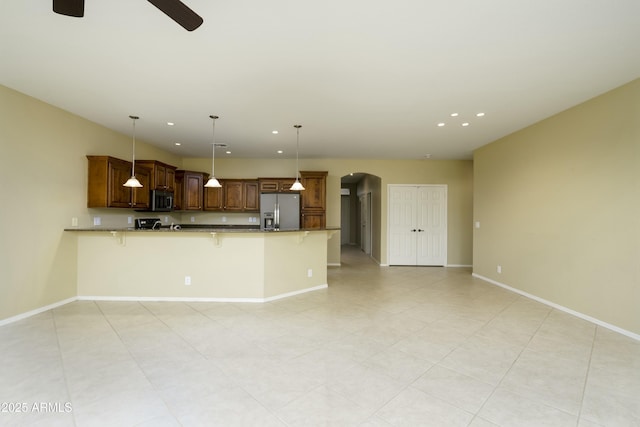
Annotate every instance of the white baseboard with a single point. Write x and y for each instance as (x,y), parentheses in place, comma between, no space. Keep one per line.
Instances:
(149,299)
(36,311)
(334,264)
(458,266)
(302,291)
(562,308)
(199,299)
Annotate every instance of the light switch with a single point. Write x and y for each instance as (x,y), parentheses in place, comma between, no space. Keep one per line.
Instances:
(477,224)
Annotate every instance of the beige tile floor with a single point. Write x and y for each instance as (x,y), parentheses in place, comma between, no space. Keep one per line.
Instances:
(395,346)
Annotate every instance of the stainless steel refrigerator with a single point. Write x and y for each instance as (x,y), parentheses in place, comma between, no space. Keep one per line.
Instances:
(280,211)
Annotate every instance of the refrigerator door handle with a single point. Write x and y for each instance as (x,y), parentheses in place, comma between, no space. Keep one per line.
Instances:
(276,216)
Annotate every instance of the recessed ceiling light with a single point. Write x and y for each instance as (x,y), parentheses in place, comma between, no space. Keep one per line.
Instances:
(170,123)
(228,152)
(480,115)
(280,151)
(465,124)
(427,156)
(454,114)
(275,132)
(178,144)
(440,124)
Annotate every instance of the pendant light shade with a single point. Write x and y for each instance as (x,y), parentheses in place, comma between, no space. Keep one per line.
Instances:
(133,181)
(297,185)
(213,182)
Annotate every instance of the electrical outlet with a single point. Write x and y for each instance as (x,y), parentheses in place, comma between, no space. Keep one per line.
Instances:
(187,280)
(74,222)
(129,220)
(97,220)
(499,269)
(309,273)
(166,219)
(477,224)
(193,219)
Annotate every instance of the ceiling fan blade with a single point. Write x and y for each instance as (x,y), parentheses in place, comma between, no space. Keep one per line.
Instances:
(69,7)
(179,12)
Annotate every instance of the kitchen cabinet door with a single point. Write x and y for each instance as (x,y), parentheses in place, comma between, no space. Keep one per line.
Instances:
(140,197)
(162,174)
(213,200)
(251,196)
(189,191)
(118,196)
(233,195)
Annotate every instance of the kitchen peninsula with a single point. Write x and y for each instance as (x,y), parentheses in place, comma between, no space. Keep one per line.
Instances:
(200,264)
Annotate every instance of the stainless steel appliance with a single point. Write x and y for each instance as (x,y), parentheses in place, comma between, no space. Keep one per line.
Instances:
(279,211)
(161,201)
(147,223)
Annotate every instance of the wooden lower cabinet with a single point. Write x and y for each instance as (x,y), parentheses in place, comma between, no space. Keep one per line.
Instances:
(189,191)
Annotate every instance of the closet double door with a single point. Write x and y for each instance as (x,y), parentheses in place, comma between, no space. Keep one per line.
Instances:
(418,225)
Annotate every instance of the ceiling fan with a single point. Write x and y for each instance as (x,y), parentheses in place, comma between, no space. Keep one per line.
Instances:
(174,9)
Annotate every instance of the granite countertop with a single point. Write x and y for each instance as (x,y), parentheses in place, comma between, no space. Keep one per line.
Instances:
(199,228)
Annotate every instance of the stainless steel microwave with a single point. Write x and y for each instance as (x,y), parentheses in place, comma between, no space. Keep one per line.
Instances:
(161,201)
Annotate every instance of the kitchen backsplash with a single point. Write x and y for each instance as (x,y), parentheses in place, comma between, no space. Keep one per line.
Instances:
(106,218)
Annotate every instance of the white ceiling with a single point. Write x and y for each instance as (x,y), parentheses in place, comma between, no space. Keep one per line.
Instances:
(366,79)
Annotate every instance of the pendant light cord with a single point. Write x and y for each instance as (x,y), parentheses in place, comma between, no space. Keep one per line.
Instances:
(133,155)
(213,146)
(297,149)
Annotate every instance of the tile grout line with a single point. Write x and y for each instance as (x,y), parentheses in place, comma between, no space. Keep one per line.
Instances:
(524,347)
(586,377)
(62,363)
(158,393)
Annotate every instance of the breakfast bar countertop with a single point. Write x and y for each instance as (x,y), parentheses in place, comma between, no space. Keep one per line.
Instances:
(198,228)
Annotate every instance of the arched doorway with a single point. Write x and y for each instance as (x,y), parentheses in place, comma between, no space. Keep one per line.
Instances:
(360,207)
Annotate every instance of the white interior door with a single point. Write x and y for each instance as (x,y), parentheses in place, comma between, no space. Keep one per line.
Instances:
(431,225)
(402,222)
(417,225)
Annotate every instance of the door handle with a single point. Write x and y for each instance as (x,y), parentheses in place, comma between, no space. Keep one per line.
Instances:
(413,230)
(420,230)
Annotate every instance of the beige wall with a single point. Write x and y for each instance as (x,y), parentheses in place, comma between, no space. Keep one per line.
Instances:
(43,176)
(559,209)
(43,171)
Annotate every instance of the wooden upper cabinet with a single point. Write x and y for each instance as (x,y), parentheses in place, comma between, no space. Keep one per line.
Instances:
(189,190)
(251,196)
(106,176)
(140,197)
(213,198)
(235,195)
(276,185)
(163,175)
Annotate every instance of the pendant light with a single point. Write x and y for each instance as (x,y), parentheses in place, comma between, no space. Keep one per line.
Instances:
(297,185)
(213,182)
(133,181)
